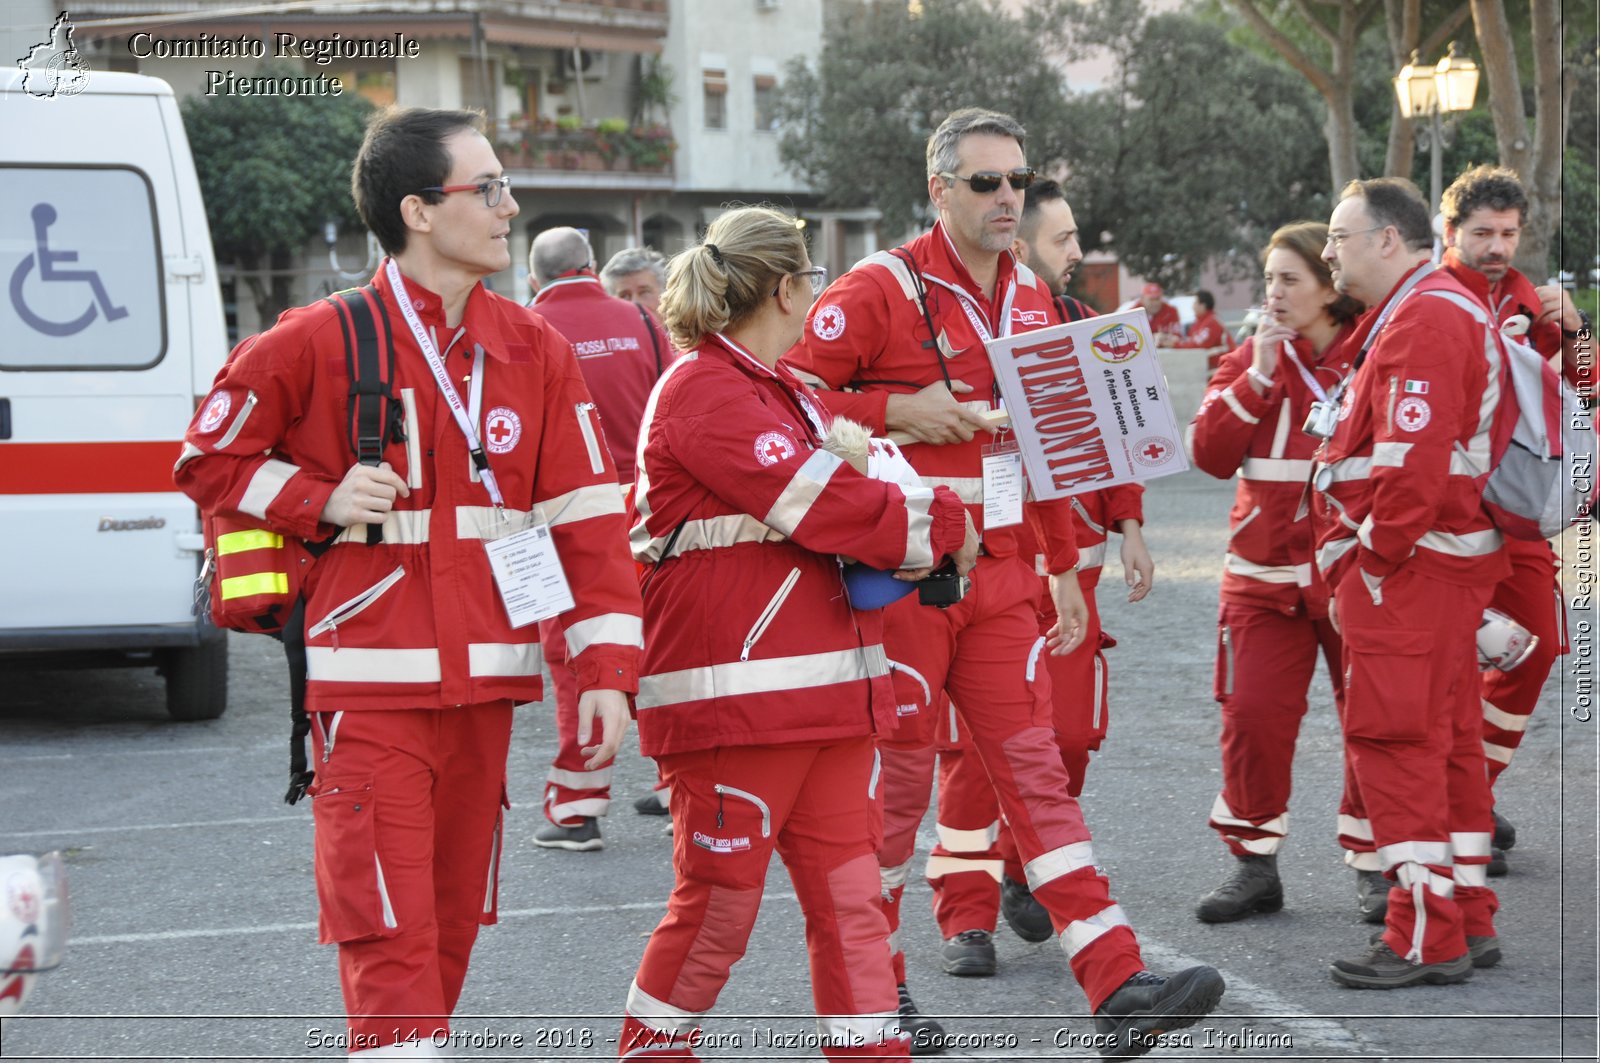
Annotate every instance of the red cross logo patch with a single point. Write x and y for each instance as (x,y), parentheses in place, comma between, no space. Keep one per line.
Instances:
(1153,450)
(1412,415)
(828,322)
(217,407)
(502,429)
(773,447)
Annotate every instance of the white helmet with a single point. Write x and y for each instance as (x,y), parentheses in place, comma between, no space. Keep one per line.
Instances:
(34,919)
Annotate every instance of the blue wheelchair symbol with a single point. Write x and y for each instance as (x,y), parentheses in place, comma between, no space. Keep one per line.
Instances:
(44,216)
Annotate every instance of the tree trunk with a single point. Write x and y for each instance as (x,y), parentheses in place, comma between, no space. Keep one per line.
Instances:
(1404,18)
(1543,178)
(1340,130)
(1505,86)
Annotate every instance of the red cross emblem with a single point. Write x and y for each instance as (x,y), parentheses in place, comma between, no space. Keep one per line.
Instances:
(828,323)
(1152,450)
(773,447)
(502,428)
(1413,414)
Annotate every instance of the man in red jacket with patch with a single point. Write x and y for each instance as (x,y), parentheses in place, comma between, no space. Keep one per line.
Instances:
(1412,557)
(1484,211)
(905,331)
(621,350)
(413,661)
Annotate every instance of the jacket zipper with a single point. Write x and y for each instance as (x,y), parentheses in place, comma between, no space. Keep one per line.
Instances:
(1099,690)
(330,732)
(1394,391)
(731,791)
(408,399)
(348,609)
(1227,662)
(1254,513)
(590,440)
(237,426)
(769,612)
(389,920)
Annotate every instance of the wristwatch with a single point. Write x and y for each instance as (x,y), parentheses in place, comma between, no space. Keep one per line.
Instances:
(1584,325)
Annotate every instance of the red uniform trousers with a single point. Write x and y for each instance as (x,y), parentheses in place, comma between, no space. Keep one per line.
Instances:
(967,897)
(571,791)
(731,806)
(1413,733)
(1266,659)
(1531,596)
(986,653)
(407,805)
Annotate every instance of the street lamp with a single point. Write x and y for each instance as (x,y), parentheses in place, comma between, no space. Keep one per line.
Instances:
(1446,88)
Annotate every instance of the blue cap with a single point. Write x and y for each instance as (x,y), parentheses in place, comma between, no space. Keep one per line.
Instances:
(874,588)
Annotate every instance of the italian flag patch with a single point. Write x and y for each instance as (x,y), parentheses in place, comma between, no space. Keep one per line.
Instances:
(1416,387)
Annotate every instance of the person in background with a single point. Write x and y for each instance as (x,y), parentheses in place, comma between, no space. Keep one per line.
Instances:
(763,690)
(1274,616)
(621,351)
(1205,333)
(636,274)
(1163,315)
(1484,211)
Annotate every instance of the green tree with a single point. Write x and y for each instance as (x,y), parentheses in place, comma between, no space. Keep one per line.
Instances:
(273,171)
(1196,152)
(855,126)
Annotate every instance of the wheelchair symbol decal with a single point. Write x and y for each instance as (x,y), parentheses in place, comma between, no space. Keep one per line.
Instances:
(44,216)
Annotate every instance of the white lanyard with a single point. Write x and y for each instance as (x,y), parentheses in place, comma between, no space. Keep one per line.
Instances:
(1311,381)
(480,460)
(1383,319)
(799,396)
(978,324)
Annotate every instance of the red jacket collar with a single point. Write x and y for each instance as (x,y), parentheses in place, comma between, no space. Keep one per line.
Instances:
(577,286)
(480,319)
(936,254)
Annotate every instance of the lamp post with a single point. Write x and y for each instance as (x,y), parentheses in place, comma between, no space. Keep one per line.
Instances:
(1450,86)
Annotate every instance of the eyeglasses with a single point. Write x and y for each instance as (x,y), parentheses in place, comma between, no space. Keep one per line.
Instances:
(817,275)
(1335,239)
(490,190)
(985,181)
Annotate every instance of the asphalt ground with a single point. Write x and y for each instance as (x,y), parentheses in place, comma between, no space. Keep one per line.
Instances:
(194,911)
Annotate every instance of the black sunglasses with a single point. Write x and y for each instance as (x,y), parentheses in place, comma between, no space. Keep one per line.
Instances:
(985,181)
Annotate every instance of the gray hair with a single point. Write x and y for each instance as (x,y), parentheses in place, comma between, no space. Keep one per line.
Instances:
(943,156)
(632,260)
(558,251)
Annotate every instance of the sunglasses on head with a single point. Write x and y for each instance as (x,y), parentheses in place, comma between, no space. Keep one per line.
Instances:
(985,181)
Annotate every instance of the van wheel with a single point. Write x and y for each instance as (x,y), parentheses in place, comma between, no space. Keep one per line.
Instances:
(197,678)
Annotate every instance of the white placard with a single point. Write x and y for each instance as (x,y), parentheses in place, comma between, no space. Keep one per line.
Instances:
(1088,404)
(529,575)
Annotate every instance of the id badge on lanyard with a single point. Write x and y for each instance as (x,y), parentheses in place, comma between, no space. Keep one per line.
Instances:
(1004,484)
(529,575)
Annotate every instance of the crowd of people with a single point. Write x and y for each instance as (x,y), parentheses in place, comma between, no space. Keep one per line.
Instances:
(674,487)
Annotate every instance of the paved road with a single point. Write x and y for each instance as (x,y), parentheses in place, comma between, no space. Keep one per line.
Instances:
(194,932)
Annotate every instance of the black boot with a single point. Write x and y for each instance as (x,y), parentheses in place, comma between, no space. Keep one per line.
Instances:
(1505,835)
(1024,914)
(1252,887)
(1372,897)
(927,1036)
(1132,1020)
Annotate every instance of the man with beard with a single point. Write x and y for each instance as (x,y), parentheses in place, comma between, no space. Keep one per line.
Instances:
(905,330)
(1484,211)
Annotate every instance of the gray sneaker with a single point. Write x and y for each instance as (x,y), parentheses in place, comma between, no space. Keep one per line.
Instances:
(584,837)
(1383,968)
(1485,951)
(970,954)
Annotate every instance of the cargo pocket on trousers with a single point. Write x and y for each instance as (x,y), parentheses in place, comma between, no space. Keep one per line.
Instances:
(1386,685)
(352,898)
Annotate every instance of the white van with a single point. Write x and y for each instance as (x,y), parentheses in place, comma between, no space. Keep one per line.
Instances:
(111,324)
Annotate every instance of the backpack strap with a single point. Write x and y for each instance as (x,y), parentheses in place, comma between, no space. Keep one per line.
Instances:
(650,327)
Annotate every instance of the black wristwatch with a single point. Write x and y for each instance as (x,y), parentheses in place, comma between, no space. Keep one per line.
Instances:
(1585,326)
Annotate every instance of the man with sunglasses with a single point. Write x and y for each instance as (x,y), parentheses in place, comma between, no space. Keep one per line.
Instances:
(904,331)
(1411,557)
(413,658)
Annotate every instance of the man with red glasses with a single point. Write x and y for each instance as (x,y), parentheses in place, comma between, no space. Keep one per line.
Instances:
(413,662)
(904,331)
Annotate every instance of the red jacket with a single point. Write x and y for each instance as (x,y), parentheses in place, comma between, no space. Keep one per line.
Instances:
(1268,560)
(1165,319)
(1207,331)
(415,621)
(621,355)
(749,637)
(1515,294)
(1401,481)
(867,333)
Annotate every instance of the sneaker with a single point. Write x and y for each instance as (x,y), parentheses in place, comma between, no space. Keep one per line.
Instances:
(582,837)
(1485,951)
(1498,865)
(653,803)
(1372,896)
(970,954)
(1024,914)
(1383,968)
(927,1036)
(1505,835)
(1253,886)
(1132,1019)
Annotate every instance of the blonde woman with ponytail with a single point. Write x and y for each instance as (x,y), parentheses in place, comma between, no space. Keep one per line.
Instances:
(762,688)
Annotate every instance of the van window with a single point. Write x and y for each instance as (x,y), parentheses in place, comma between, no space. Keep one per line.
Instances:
(80,262)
